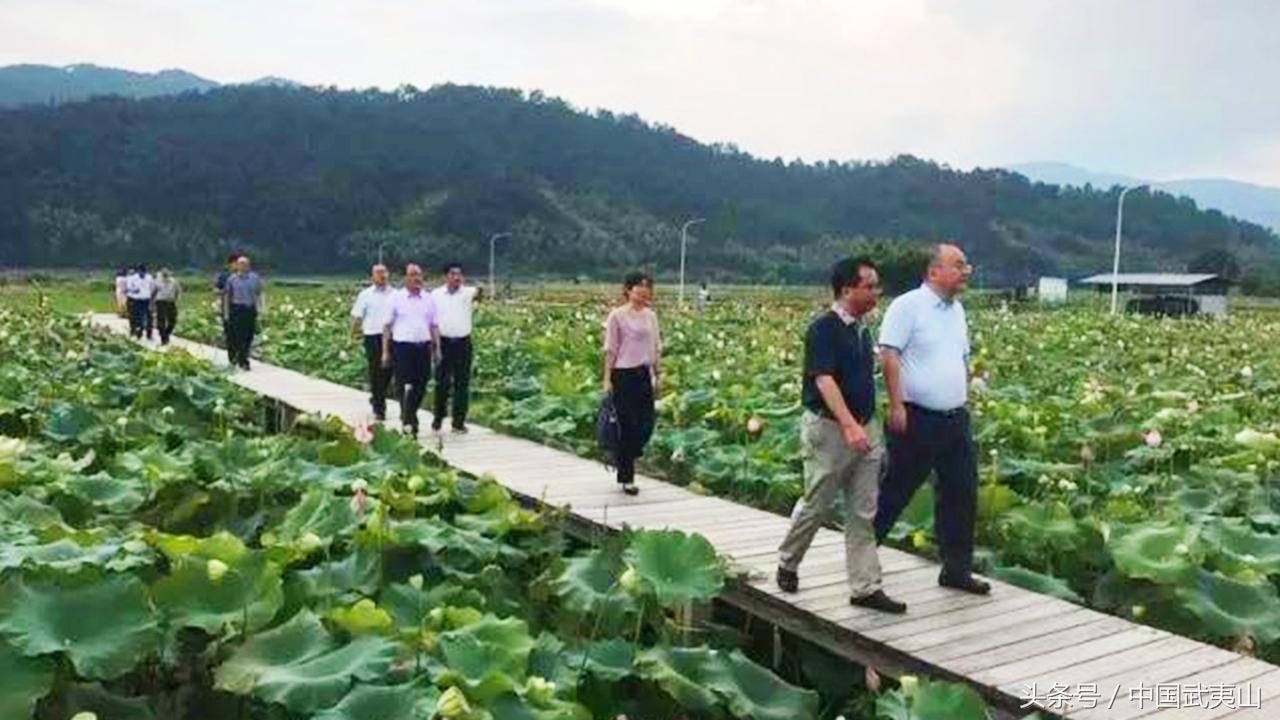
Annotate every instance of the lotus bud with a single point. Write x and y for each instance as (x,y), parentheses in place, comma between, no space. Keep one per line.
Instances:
(359,502)
(216,569)
(122,421)
(1138,611)
(416,483)
(1086,454)
(85,715)
(1246,372)
(415,581)
(754,425)
(363,434)
(1152,438)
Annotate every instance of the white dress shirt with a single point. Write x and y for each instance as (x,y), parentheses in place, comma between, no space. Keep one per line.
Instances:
(373,308)
(412,316)
(139,287)
(931,336)
(453,310)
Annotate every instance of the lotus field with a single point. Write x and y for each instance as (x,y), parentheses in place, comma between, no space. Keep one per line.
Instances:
(1130,464)
(165,557)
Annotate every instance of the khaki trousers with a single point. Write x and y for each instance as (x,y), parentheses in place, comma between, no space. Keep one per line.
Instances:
(831,469)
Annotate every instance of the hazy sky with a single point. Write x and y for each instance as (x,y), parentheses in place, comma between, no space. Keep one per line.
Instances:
(1153,88)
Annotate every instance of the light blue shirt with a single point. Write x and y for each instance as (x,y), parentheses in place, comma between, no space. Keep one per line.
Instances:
(931,336)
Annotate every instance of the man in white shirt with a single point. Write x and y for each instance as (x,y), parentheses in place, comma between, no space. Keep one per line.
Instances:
(369,316)
(924,353)
(454,303)
(139,287)
(410,341)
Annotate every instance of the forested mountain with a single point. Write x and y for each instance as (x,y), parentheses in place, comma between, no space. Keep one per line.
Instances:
(46,84)
(314,180)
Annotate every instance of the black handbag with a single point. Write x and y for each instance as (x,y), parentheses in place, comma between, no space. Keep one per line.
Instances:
(608,431)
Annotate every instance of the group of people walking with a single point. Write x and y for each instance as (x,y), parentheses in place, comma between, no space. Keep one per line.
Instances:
(150,302)
(847,454)
(406,332)
(923,350)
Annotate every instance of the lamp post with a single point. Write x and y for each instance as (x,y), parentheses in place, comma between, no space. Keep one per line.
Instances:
(1115,264)
(493,239)
(684,240)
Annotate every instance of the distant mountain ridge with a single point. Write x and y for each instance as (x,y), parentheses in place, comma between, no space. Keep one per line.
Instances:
(1247,201)
(51,85)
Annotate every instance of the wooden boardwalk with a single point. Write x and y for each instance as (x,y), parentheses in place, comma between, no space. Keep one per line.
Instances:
(1002,644)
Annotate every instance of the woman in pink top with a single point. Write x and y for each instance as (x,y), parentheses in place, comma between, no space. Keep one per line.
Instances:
(632,350)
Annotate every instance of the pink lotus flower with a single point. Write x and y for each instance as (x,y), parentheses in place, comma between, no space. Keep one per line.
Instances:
(1152,438)
(363,433)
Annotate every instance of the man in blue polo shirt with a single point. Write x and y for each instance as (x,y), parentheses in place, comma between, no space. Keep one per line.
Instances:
(924,351)
(839,438)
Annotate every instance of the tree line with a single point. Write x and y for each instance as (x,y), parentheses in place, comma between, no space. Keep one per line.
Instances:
(318,179)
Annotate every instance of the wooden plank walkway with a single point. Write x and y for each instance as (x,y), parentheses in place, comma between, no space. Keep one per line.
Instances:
(1002,644)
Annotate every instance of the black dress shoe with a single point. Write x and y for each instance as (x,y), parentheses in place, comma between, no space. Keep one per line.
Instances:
(788,581)
(879,601)
(630,489)
(969,584)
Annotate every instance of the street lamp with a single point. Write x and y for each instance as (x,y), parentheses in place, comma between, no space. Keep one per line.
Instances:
(684,239)
(493,239)
(1115,265)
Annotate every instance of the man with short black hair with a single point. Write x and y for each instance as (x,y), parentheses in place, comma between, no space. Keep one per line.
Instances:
(410,342)
(840,441)
(454,304)
(924,350)
(139,287)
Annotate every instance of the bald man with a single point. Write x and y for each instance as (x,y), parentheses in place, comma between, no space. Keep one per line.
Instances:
(369,315)
(410,341)
(924,354)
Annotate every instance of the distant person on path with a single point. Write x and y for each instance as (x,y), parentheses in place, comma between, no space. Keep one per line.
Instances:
(122,292)
(166,298)
(369,316)
(841,443)
(139,287)
(242,298)
(704,297)
(220,287)
(632,355)
(924,341)
(454,303)
(410,342)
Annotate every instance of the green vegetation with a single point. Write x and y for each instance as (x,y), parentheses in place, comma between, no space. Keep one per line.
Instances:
(1127,463)
(318,180)
(163,558)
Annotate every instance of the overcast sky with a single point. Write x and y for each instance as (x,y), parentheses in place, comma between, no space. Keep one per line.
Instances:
(1151,88)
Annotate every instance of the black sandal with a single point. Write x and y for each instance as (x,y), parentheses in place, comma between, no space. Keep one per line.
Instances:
(630,489)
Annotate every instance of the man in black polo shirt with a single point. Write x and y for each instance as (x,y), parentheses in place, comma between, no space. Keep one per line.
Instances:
(842,447)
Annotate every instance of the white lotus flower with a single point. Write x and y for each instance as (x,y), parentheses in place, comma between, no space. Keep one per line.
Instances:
(1246,372)
(309,543)
(1152,438)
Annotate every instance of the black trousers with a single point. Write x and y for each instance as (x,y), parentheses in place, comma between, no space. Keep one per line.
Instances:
(454,374)
(942,443)
(633,401)
(379,376)
(242,322)
(166,319)
(139,317)
(411,363)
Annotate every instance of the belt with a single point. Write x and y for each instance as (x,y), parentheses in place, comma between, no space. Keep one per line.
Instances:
(953,412)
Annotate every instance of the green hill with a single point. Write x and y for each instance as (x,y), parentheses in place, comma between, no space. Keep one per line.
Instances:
(316,180)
